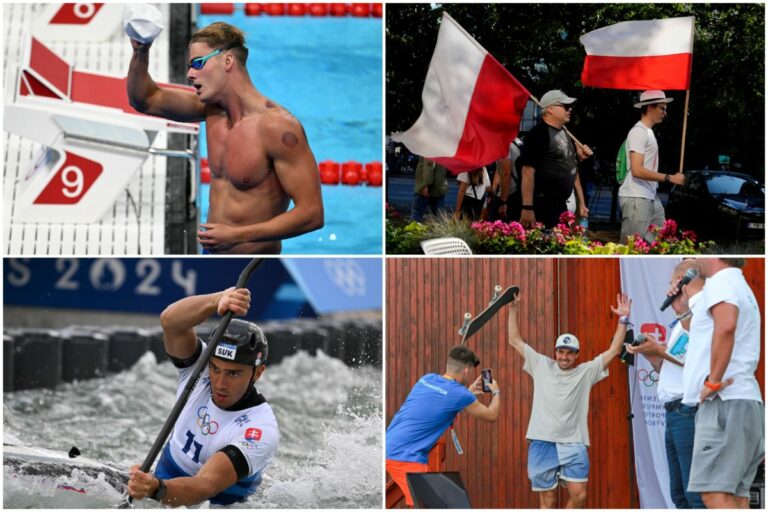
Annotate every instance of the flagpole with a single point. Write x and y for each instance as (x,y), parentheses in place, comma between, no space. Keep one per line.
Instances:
(687,98)
(685,126)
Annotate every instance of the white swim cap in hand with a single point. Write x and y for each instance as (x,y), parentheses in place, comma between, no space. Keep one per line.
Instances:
(142,22)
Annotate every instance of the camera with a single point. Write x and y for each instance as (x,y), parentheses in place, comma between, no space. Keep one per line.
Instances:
(625,357)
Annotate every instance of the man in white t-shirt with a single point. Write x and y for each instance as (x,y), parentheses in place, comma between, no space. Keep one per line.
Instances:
(668,359)
(227,433)
(640,206)
(719,377)
(557,432)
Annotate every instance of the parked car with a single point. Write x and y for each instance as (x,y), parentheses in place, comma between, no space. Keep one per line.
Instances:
(719,205)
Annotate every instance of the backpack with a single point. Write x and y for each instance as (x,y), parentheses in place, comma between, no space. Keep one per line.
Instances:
(622,166)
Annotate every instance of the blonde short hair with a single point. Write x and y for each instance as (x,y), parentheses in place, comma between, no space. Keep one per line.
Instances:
(225,36)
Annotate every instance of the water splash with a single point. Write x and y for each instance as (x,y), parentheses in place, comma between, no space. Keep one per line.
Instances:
(330,418)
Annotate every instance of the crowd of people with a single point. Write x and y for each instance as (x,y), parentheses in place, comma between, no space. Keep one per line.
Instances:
(714,411)
(539,178)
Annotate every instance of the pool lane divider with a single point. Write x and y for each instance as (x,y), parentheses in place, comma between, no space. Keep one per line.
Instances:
(331,173)
(45,358)
(297,9)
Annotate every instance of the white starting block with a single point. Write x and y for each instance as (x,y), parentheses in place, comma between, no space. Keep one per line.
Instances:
(93,141)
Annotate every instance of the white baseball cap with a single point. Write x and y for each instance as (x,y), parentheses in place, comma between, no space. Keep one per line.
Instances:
(555,96)
(568,341)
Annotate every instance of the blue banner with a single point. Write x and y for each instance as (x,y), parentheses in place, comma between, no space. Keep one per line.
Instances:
(148,285)
(338,284)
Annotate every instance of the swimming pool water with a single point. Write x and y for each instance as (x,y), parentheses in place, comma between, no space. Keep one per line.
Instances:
(352,223)
(328,73)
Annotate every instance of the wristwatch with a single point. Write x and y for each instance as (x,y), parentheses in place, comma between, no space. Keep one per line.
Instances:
(527,207)
(666,178)
(161,490)
(497,392)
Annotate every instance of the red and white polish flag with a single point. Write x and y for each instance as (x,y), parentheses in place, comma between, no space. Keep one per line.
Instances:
(639,55)
(472,106)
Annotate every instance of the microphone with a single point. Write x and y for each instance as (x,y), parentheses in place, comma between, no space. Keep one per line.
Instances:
(639,339)
(690,275)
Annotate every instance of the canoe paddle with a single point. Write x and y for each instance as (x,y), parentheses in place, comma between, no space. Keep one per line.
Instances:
(201,364)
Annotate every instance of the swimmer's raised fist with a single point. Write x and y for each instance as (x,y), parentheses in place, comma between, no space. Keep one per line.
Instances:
(139,46)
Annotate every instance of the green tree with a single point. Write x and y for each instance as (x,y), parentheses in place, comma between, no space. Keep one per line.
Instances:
(727,105)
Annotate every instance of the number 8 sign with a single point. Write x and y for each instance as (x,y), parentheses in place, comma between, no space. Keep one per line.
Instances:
(71,182)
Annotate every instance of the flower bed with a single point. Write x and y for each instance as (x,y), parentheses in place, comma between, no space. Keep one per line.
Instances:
(567,237)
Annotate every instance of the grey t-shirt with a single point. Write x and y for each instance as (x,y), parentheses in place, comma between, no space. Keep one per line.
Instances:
(560,398)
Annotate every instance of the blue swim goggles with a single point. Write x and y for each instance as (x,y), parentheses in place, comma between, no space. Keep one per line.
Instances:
(199,62)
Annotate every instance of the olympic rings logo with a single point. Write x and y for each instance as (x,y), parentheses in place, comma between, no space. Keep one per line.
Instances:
(204,422)
(648,378)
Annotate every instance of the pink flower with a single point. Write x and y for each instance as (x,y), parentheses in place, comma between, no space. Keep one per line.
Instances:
(567,218)
(517,230)
(670,225)
(563,228)
(640,245)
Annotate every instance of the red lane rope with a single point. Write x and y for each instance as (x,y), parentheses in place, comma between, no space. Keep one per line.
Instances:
(331,173)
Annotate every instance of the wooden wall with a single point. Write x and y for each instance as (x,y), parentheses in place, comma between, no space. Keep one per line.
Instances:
(426,300)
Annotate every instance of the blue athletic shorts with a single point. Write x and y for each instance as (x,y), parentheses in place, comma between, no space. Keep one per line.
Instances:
(549,462)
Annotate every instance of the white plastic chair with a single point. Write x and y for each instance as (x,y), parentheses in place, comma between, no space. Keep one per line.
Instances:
(447,246)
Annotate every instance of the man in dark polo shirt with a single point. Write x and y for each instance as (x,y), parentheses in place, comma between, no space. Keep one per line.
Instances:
(549,164)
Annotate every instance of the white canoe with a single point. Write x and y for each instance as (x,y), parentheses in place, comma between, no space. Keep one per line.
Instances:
(53,478)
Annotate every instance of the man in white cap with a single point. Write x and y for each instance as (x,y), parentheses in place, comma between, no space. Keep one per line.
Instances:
(640,206)
(557,432)
(549,164)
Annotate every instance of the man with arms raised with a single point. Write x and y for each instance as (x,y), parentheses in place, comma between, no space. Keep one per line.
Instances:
(557,432)
(431,407)
(258,152)
(227,433)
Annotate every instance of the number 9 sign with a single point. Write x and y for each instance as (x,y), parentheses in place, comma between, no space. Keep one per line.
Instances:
(71,181)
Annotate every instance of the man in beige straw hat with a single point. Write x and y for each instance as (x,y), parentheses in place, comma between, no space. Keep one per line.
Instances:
(640,206)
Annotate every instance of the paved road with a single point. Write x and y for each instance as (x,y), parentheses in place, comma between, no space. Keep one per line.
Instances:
(400,195)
